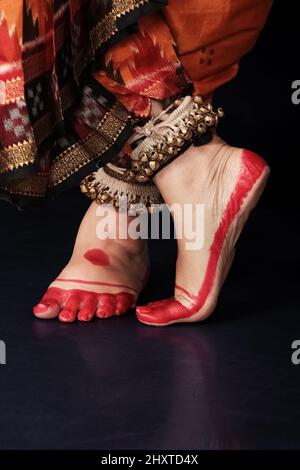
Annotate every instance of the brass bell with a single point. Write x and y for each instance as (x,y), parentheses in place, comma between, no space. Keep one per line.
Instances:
(153,155)
(191,122)
(198,99)
(204,110)
(130,175)
(153,166)
(144,158)
(92,193)
(220,112)
(179,142)
(202,128)
(104,197)
(136,166)
(142,155)
(209,120)
(199,117)
(148,171)
(83,188)
(141,178)
(171,150)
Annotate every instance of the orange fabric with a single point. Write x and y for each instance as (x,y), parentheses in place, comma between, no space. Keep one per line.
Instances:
(143,66)
(212,36)
(203,40)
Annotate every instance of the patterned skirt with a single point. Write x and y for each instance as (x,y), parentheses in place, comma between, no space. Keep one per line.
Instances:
(75,74)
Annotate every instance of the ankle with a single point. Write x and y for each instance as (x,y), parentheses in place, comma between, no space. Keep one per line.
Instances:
(182,165)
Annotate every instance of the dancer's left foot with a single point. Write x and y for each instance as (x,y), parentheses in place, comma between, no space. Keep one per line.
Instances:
(104,275)
(228,182)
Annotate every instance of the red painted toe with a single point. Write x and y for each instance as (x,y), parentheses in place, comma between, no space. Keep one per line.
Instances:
(145,315)
(68,313)
(168,312)
(47,308)
(124,302)
(144,309)
(106,305)
(86,314)
(67,316)
(88,307)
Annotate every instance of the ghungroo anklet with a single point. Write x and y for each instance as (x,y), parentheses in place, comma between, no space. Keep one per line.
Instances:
(187,121)
(107,186)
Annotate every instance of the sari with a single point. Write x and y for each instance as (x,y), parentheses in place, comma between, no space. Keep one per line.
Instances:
(75,73)
(56,121)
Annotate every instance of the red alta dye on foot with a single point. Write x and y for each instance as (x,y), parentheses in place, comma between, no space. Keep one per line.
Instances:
(97,257)
(252,168)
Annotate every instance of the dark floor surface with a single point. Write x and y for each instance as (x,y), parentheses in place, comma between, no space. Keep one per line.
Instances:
(227,383)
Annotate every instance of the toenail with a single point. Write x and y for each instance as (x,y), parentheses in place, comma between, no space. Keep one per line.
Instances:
(66,316)
(41,307)
(144,310)
(85,317)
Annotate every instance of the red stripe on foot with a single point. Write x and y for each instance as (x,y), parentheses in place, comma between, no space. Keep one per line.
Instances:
(96,283)
(251,170)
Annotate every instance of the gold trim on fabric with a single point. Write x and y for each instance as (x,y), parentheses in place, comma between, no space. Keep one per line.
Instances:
(107,27)
(17,155)
(13,90)
(93,146)
(34,186)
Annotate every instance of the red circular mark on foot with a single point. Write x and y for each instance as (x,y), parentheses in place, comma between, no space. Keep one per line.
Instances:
(97,257)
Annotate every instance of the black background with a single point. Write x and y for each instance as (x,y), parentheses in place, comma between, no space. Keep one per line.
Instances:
(260,114)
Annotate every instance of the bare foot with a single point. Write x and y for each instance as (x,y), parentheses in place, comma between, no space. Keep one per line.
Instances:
(103,277)
(228,181)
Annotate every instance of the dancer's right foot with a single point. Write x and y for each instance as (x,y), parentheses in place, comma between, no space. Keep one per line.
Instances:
(103,277)
(227,182)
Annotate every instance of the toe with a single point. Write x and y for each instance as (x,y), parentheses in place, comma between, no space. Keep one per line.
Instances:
(68,313)
(166,313)
(85,314)
(145,314)
(106,305)
(88,308)
(49,306)
(125,301)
